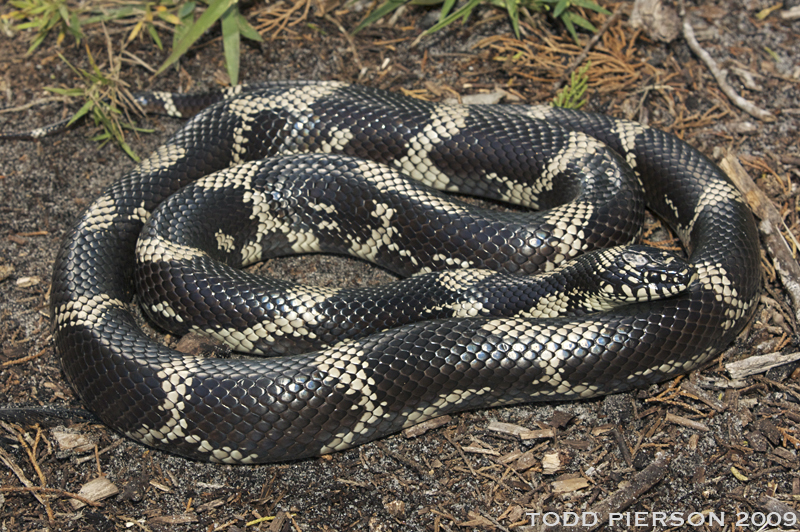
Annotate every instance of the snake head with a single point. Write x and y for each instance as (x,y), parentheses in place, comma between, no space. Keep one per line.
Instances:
(636,274)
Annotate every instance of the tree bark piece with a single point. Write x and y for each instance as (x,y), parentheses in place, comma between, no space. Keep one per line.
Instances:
(771,222)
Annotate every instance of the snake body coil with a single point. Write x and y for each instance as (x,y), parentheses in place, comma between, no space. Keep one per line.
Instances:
(283,408)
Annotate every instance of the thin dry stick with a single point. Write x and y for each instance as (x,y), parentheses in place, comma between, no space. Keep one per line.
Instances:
(34,103)
(22,360)
(461,452)
(9,462)
(585,53)
(719,75)
(32,457)
(39,489)
(288,15)
(351,43)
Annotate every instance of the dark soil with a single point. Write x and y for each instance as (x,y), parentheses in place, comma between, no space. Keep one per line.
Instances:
(707,444)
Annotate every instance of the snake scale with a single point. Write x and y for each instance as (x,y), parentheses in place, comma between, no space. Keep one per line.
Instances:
(485,350)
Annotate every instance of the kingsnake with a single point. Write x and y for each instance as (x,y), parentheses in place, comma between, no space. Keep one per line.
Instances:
(484,352)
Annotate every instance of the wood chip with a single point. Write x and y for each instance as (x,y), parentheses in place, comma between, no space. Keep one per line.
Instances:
(522,433)
(196,344)
(5,271)
(785,453)
(603,429)
(581,445)
(786,457)
(560,419)
(278,523)
(174,519)
(554,461)
(759,364)
(623,446)
(352,482)
(514,513)
(566,486)
(27,282)
(686,422)
(479,450)
(772,505)
(791,14)
(425,426)
(210,505)
(757,441)
(396,508)
(484,98)
(525,462)
(159,486)
(510,457)
(721,383)
(768,429)
(95,490)
(476,520)
(509,429)
(72,441)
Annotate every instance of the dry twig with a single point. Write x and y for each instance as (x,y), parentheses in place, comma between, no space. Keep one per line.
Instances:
(759,364)
(55,491)
(770,227)
(9,462)
(719,75)
(22,360)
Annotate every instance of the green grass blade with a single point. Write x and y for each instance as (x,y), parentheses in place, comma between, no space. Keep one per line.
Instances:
(214,12)
(230,42)
(580,21)
(36,43)
(246,30)
(570,28)
(463,12)
(588,4)
(151,30)
(26,25)
(81,112)
(127,149)
(446,7)
(513,15)
(384,9)
(71,92)
(185,26)
(561,6)
(186,9)
(64,14)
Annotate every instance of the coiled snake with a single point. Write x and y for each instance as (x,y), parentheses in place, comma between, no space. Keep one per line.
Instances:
(483,350)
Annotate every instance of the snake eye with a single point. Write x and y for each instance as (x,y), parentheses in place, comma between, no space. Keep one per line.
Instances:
(641,273)
(634,259)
